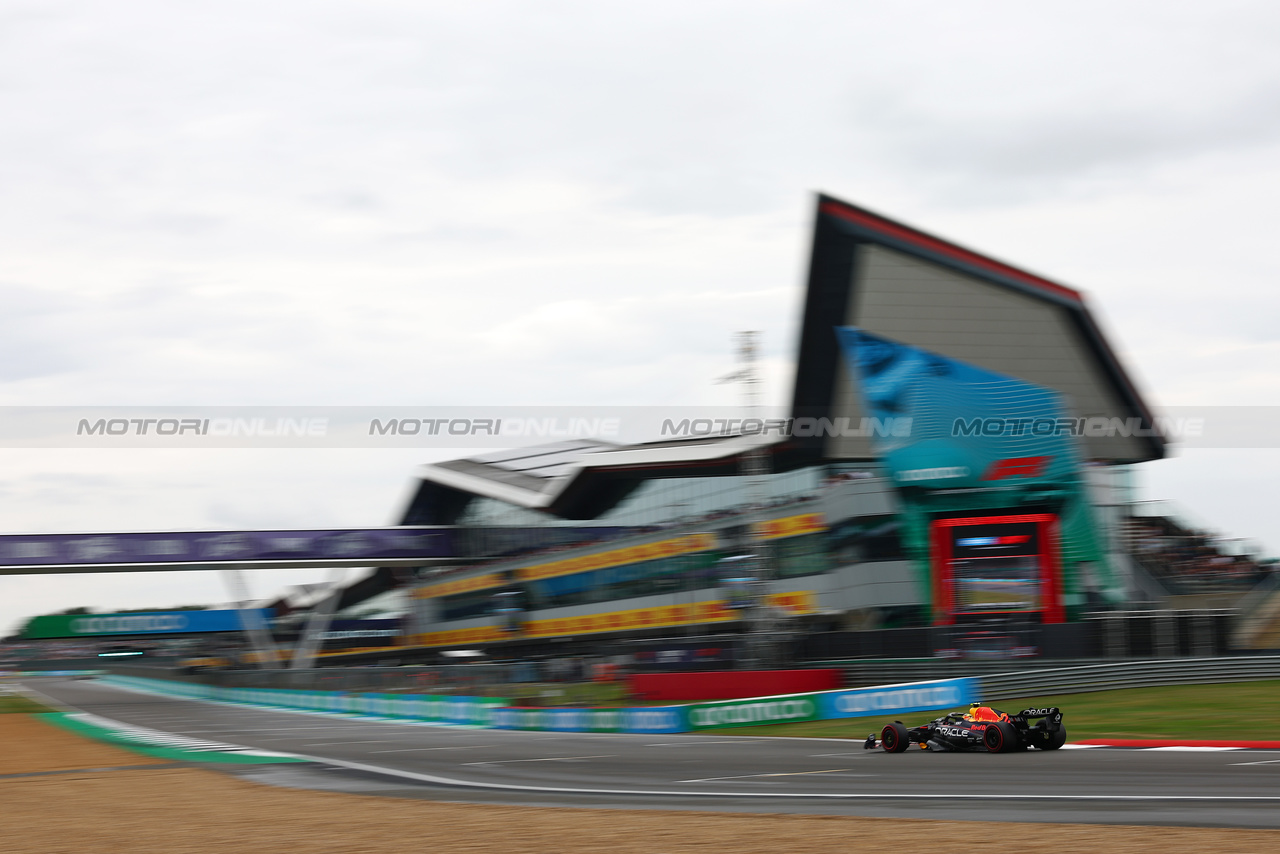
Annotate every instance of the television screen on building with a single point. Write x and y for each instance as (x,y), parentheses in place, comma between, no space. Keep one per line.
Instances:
(996,568)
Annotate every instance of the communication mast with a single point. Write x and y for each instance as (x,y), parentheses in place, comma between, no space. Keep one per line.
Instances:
(764,627)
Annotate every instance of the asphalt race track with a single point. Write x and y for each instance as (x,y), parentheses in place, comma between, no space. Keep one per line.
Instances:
(1232,788)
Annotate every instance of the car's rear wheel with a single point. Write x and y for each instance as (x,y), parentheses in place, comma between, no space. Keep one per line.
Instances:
(893,738)
(999,737)
(1053,740)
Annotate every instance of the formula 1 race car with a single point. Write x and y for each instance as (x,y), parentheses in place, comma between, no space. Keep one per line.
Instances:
(980,728)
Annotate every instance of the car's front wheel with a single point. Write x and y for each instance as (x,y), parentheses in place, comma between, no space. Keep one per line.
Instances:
(893,738)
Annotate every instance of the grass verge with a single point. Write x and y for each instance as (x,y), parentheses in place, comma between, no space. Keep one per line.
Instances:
(1238,710)
(16,703)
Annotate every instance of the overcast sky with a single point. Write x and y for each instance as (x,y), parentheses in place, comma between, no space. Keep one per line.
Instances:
(578,203)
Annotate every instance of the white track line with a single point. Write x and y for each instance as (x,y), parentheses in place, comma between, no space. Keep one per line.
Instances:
(158,738)
(418,749)
(687,743)
(773,774)
(841,796)
(542,759)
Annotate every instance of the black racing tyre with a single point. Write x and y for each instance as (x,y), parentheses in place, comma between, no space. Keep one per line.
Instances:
(893,738)
(1053,740)
(1000,737)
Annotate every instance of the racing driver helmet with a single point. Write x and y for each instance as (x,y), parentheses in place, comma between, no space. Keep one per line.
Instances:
(984,713)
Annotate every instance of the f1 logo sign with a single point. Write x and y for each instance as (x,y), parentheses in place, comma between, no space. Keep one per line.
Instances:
(1017,467)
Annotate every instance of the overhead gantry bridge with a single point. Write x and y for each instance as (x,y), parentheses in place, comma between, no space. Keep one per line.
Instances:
(51,554)
(231,552)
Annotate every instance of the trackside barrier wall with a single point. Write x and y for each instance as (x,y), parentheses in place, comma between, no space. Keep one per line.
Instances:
(823,705)
(493,712)
(473,711)
(1130,674)
(710,686)
(658,719)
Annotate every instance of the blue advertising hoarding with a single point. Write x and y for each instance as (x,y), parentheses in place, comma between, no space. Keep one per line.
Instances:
(891,699)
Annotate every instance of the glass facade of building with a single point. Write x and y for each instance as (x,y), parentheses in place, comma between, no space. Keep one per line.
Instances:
(691,504)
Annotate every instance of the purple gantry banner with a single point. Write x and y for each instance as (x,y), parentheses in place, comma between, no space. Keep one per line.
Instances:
(373,545)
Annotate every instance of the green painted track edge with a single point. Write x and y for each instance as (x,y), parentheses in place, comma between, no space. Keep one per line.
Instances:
(63,720)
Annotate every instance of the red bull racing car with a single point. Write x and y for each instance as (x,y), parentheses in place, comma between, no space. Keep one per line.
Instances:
(980,728)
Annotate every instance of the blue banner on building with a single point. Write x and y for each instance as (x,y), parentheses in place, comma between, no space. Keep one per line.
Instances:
(968,426)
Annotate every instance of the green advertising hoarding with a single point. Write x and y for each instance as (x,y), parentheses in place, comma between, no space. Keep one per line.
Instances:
(788,708)
(144,623)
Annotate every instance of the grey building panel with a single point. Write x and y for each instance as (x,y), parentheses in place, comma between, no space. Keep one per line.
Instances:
(848,499)
(820,584)
(845,403)
(872,585)
(1016,334)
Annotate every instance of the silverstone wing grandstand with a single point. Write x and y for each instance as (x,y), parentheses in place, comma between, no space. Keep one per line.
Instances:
(953,478)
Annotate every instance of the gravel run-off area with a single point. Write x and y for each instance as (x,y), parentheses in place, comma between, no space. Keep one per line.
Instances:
(102,798)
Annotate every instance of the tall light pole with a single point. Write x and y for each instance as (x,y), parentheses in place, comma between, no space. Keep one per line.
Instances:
(762,624)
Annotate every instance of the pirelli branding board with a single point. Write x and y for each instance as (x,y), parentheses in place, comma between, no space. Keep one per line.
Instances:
(460,585)
(462,637)
(798,602)
(791,526)
(713,611)
(687,544)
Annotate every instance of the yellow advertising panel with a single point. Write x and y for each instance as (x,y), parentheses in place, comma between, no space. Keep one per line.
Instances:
(619,557)
(462,637)
(461,585)
(584,563)
(790,526)
(711,611)
(797,602)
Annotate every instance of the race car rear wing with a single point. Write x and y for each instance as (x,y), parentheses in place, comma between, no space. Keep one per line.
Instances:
(1044,712)
(1052,715)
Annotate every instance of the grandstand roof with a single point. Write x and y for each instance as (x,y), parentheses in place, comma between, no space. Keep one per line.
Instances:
(575,479)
